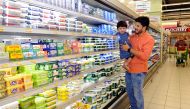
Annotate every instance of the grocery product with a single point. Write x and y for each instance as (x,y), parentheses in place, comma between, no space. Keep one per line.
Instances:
(13,105)
(50,98)
(27,102)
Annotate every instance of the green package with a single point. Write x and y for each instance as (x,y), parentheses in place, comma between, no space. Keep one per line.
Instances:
(27,102)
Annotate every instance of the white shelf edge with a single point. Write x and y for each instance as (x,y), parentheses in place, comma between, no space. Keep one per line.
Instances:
(30,92)
(66,11)
(17,30)
(8,64)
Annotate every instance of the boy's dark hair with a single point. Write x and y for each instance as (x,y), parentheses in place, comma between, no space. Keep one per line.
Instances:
(121,24)
(143,20)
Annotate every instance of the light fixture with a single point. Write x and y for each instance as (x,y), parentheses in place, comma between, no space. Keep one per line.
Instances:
(176,4)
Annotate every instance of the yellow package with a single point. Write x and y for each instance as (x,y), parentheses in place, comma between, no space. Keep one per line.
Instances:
(16,55)
(28,85)
(13,48)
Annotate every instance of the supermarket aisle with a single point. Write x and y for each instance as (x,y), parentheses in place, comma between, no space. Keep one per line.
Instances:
(169,89)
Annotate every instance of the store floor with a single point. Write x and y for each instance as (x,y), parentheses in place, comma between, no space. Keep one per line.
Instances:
(170,88)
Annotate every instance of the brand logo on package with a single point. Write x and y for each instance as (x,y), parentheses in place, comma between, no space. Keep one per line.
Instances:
(178,29)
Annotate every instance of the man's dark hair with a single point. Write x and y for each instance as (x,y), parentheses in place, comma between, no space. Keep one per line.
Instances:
(144,21)
(121,24)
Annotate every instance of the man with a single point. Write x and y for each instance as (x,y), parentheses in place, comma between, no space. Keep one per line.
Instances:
(181,46)
(142,44)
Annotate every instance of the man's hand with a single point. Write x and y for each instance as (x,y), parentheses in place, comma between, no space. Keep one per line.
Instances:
(125,47)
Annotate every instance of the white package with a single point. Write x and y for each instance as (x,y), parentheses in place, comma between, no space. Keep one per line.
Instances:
(14,105)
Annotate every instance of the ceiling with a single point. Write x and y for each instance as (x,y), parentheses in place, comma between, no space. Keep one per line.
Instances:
(175,9)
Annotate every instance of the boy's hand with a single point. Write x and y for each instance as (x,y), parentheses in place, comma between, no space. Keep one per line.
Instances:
(125,47)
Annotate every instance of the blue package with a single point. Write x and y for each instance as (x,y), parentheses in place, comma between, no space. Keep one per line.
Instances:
(52,46)
(51,53)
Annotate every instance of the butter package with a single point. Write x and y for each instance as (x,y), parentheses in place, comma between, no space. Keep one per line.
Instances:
(27,102)
(13,48)
(48,93)
(26,47)
(16,55)
(52,53)
(29,55)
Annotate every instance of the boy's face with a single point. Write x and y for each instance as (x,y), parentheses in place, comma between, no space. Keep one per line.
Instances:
(122,30)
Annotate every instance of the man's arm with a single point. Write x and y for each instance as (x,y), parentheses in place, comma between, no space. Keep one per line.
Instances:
(144,53)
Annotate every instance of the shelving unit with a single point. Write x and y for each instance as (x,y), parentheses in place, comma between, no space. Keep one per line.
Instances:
(34,32)
(6,63)
(34,91)
(79,96)
(80,16)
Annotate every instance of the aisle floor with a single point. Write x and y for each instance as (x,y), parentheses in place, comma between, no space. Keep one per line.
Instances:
(170,88)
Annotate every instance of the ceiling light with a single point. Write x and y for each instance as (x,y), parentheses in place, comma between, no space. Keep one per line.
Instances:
(176,4)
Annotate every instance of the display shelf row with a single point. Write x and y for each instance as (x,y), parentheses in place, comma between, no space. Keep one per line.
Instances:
(81,16)
(7,64)
(34,91)
(40,32)
(61,104)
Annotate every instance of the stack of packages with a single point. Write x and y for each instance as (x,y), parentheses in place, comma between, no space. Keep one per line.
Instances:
(15,51)
(40,78)
(27,79)
(51,68)
(70,24)
(2,85)
(33,16)
(73,69)
(50,98)
(33,49)
(67,47)
(50,47)
(78,26)
(13,105)
(61,19)
(40,102)
(62,93)
(14,84)
(60,48)
(27,103)
(13,13)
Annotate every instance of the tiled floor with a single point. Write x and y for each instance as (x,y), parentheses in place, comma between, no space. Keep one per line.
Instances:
(170,88)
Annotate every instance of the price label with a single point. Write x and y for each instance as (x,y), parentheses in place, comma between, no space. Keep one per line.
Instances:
(28,30)
(55,32)
(33,61)
(46,58)
(4,65)
(2,29)
(56,83)
(19,63)
(44,88)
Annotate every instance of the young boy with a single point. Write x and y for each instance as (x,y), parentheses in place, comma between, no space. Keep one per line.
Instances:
(123,38)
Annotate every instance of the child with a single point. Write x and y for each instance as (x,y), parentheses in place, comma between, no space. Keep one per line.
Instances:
(123,38)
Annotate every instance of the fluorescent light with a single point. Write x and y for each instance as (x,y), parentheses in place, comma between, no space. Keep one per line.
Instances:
(176,4)
(170,10)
